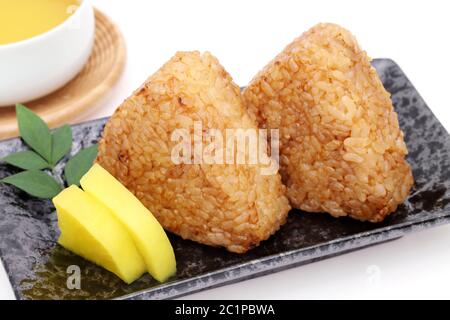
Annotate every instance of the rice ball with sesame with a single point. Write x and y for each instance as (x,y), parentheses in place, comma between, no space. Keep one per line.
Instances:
(341,147)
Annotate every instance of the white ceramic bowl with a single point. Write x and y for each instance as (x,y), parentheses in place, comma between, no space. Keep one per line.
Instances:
(37,66)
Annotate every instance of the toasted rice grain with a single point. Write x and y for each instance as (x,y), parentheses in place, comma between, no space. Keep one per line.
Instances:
(341,147)
(233,206)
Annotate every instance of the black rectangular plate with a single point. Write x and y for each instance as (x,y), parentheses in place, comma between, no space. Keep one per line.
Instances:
(37,266)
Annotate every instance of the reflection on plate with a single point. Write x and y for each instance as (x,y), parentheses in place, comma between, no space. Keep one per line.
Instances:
(37,266)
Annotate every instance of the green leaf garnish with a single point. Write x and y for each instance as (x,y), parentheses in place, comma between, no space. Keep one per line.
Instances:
(27,160)
(50,149)
(34,132)
(61,143)
(79,164)
(35,183)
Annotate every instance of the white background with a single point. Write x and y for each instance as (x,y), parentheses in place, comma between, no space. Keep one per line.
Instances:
(245,35)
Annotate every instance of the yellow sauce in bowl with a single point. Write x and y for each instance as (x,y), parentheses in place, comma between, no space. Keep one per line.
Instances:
(23,19)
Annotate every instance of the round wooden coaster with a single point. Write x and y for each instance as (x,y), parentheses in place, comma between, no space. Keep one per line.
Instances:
(98,76)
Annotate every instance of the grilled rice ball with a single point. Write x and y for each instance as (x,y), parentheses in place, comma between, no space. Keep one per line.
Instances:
(341,147)
(228,205)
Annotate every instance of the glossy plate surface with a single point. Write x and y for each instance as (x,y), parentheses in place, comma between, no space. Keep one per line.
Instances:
(37,266)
